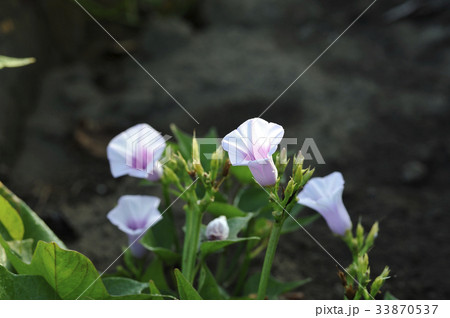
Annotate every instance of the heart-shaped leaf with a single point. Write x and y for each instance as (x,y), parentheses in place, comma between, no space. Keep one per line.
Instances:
(24,287)
(71,274)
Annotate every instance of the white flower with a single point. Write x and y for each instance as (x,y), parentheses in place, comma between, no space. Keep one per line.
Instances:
(252,144)
(134,215)
(136,152)
(325,196)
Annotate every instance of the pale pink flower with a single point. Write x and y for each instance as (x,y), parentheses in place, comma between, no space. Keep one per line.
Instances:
(325,196)
(252,144)
(134,215)
(136,152)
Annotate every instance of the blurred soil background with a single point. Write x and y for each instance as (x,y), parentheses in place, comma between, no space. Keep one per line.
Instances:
(376,104)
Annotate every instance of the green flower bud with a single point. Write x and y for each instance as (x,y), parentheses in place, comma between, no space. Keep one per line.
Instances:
(307,174)
(373,233)
(290,188)
(281,161)
(216,162)
(297,168)
(169,176)
(360,235)
(196,163)
(379,282)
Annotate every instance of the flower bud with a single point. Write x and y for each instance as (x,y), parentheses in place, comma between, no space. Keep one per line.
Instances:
(217,229)
(298,166)
(196,157)
(290,188)
(281,161)
(359,235)
(379,281)
(307,174)
(373,233)
(169,176)
(216,161)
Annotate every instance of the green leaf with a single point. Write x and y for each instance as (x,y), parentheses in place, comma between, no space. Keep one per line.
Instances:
(219,208)
(237,224)
(23,248)
(389,296)
(155,272)
(251,199)
(185,289)
(11,220)
(35,228)
(209,247)
(24,287)
(184,142)
(120,286)
(290,225)
(154,290)
(208,287)
(69,273)
(243,174)
(163,232)
(275,288)
(6,61)
(169,257)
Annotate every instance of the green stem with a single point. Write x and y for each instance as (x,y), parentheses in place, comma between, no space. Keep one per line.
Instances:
(170,217)
(221,264)
(191,240)
(268,259)
(242,274)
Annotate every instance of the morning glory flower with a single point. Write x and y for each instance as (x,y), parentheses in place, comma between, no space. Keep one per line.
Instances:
(252,144)
(325,196)
(134,215)
(136,152)
(217,229)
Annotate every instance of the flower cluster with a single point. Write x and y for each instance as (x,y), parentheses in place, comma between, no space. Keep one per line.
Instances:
(142,152)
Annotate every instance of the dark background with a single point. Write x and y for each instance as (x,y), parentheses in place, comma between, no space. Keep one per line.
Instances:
(376,104)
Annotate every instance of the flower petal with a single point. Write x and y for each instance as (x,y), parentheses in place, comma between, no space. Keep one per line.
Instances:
(264,171)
